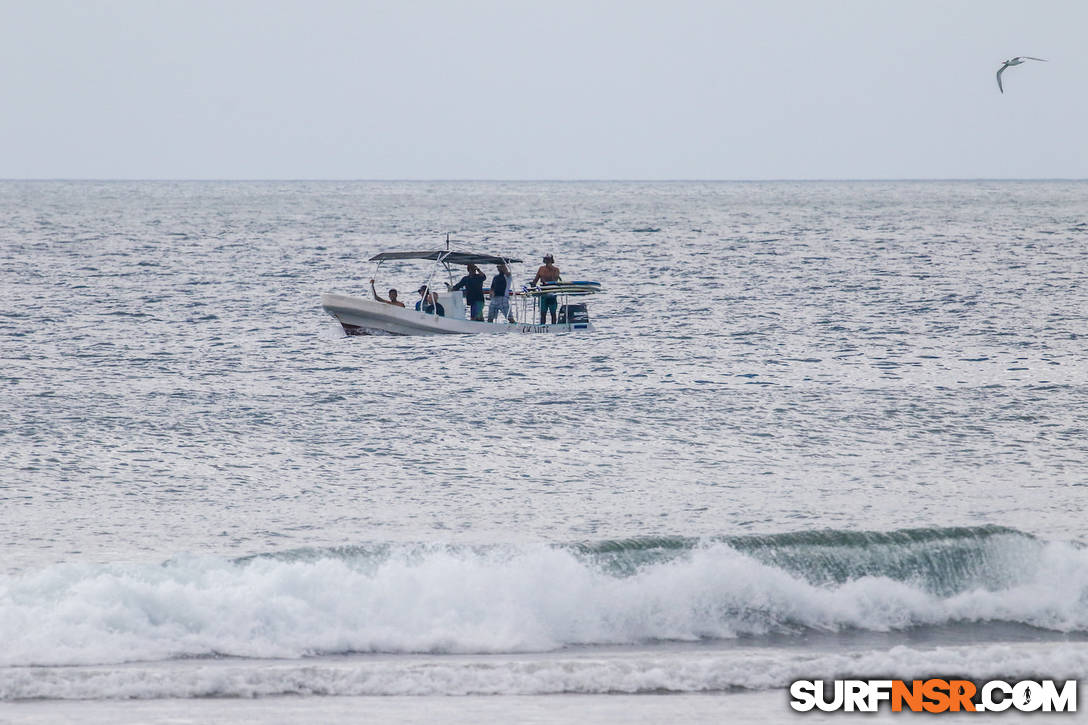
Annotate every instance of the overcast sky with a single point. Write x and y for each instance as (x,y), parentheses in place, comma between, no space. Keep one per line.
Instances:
(542,89)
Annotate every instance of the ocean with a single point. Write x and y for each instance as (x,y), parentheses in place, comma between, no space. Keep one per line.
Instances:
(822,429)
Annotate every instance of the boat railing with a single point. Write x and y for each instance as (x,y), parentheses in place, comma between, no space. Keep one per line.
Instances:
(526,304)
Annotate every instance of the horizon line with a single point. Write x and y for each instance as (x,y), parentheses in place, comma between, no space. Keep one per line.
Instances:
(544,180)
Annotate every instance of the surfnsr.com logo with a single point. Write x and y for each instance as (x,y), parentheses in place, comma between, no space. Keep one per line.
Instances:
(934,695)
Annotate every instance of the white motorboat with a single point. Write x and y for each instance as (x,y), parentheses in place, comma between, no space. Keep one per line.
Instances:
(363,316)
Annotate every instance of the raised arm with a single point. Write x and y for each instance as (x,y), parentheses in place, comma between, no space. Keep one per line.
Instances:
(375,293)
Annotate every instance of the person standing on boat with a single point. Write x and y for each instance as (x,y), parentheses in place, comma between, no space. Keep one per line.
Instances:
(502,286)
(548,273)
(392,296)
(428,302)
(473,285)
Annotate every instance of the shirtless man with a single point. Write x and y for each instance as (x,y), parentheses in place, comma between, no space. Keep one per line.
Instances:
(392,296)
(548,273)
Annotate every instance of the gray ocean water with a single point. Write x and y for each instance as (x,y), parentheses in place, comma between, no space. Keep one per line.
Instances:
(820,428)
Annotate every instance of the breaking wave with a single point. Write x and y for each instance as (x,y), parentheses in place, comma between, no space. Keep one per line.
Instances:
(391,598)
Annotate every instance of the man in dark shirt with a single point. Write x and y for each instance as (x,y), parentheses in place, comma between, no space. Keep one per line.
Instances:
(473,285)
(429,303)
(502,286)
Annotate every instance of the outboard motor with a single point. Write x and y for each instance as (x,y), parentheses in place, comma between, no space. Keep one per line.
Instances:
(572,314)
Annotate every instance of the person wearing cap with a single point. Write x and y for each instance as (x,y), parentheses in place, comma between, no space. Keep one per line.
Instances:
(547,273)
(473,285)
(502,286)
(392,296)
(428,302)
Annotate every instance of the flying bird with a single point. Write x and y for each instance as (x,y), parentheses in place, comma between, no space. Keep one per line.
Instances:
(1011,62)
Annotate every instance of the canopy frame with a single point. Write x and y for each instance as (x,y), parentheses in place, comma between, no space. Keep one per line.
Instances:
(444,256)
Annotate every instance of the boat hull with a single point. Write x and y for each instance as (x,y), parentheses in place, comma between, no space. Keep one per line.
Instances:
(360,316)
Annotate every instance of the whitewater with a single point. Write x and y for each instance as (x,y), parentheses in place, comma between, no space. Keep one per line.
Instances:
(822,430)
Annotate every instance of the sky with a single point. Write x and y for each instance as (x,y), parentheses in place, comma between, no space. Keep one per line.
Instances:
(541,89)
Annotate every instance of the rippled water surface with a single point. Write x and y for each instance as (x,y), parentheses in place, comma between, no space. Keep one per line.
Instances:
(770,359)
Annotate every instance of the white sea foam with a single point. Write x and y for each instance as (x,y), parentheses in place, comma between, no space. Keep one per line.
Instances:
(611,672)
(440,600)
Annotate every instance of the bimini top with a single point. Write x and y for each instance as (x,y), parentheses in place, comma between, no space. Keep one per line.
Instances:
(445,255)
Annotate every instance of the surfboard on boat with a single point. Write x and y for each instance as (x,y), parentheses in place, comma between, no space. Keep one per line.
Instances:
(578,287)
